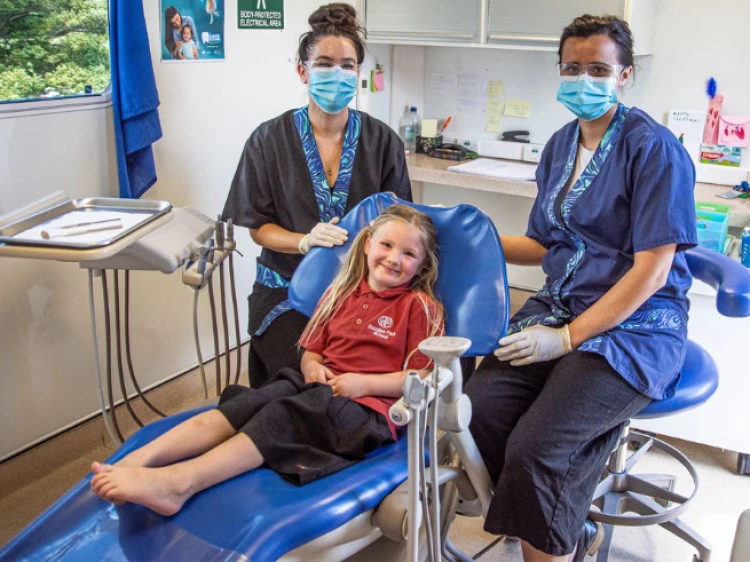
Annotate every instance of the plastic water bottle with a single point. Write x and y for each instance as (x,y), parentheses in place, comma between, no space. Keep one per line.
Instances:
(416,121)
(745,251)
(407,132)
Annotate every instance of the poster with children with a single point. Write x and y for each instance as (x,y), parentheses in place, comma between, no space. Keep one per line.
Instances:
(192,30)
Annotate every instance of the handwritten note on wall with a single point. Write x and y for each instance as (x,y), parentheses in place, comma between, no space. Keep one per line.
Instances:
(472,88)
(494,115)
(517,108)
(495,88)
(444,84)
(688,126)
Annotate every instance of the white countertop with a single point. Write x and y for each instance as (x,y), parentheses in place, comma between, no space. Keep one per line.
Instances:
(424,168)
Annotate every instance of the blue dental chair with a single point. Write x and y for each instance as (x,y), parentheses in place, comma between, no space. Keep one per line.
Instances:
(258,516)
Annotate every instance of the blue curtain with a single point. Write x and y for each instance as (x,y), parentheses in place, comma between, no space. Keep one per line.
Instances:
(134,97)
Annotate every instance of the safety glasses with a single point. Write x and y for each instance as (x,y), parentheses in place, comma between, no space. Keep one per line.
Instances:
(596,71)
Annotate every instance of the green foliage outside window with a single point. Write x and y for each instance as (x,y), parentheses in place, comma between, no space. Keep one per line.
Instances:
(53,47)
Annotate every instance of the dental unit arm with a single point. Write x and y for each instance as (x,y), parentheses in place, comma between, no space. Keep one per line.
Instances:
(451,412)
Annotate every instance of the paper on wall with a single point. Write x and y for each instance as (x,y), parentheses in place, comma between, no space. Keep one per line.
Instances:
(444,84)
(688,127)
(472,86)
(495,88)
(494,115)
(517,108)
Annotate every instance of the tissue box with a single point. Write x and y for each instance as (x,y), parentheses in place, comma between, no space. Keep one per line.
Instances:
(721,155)
(425,145)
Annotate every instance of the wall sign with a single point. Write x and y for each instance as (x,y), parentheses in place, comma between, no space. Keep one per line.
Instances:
(260,14)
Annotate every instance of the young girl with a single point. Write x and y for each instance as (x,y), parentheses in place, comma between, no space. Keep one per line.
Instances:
(188,50)
(307,425)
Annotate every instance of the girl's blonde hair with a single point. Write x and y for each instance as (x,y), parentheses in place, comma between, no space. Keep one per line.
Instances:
(355,268)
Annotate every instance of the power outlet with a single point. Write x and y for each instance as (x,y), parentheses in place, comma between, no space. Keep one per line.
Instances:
(531,153)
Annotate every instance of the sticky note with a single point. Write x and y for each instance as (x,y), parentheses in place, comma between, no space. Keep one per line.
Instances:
(495,88)
(377,81)
(494,106)
(494,123)
(517,108)
(429,128)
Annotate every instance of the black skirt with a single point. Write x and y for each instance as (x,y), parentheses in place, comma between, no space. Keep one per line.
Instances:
(304,432)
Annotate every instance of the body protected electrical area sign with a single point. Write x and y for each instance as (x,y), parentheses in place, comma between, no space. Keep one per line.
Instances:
(260,14)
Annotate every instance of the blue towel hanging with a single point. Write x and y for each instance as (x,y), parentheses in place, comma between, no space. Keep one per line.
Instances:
(134,97)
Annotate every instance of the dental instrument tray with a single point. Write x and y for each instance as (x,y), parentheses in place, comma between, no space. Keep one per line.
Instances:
(82,224)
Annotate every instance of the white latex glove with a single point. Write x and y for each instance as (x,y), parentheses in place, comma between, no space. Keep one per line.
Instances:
(325,234)
(534,344)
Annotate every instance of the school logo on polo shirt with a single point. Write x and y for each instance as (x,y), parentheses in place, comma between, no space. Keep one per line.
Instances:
(384,322)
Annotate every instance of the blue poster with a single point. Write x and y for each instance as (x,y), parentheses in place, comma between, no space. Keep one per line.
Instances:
(192,30)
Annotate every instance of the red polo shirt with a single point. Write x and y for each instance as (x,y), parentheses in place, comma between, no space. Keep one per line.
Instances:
(373,333)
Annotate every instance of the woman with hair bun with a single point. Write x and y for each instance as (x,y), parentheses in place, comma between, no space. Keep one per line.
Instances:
(300,172)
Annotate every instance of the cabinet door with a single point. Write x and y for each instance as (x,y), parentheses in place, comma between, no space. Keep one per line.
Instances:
(421,21)
(539,23)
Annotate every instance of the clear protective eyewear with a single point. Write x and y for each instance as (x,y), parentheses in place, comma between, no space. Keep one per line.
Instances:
(326,66)
(596,71)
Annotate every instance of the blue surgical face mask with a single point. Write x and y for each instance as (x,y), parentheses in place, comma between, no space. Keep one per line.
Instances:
(332,89)
(588,99)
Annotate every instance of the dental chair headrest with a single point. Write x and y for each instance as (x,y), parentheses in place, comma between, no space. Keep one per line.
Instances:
(472,283)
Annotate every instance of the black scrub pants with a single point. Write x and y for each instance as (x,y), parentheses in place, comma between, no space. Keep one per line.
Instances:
(276,348)
(545,431)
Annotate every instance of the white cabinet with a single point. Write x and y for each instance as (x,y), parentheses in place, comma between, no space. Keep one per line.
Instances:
(510,24)
(416,21)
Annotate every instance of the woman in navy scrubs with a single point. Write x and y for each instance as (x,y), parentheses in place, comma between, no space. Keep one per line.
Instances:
(607,332)
(301,172)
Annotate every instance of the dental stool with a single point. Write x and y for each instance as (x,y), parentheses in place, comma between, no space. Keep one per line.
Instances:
(259,516)
(651,496)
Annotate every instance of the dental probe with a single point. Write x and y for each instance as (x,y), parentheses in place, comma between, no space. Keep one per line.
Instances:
(86,223)
(46,235)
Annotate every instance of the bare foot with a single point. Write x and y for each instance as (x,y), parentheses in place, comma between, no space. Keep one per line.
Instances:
(138,458)
(162,490)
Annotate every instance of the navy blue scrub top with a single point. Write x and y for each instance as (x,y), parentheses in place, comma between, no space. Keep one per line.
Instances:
(635,194)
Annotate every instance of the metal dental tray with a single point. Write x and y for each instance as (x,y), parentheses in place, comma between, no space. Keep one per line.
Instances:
(135,214)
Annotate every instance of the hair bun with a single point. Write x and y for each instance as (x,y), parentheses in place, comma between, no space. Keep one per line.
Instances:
(339,15)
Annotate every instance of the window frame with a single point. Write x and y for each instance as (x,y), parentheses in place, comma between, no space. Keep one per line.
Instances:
(58,104)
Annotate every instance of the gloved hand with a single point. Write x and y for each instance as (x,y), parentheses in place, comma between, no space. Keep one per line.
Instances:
(325,234)
(534,344)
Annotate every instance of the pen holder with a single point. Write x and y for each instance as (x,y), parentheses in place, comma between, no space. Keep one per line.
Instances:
(425,145)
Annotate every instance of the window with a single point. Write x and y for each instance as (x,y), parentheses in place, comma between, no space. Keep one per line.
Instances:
(53,48)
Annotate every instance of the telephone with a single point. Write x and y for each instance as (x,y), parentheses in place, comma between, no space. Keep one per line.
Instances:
(448,151)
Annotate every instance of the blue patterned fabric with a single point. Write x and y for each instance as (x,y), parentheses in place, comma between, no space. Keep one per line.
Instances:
(331,202)
(269,278)
(635,194)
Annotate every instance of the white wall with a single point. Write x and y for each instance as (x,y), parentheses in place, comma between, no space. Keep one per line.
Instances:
(208,109)
(689,48)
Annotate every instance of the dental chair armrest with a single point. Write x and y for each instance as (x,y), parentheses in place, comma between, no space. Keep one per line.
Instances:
(730,278)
